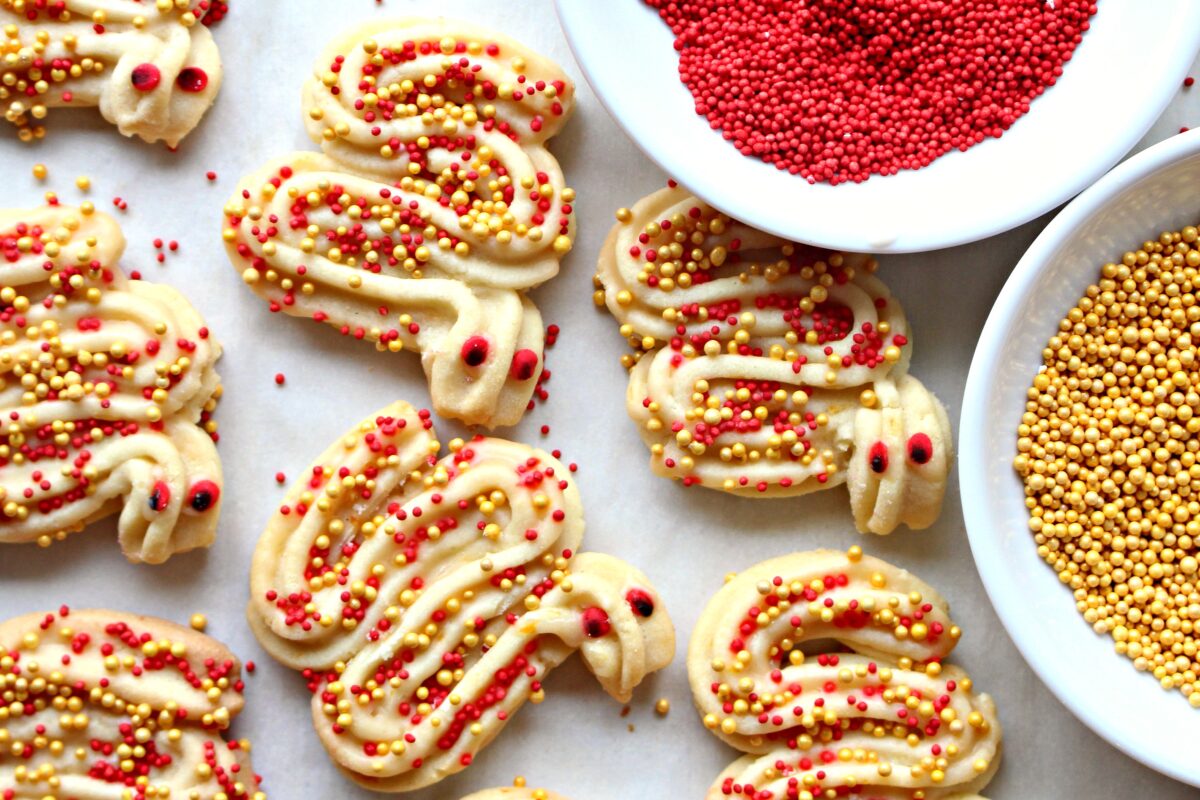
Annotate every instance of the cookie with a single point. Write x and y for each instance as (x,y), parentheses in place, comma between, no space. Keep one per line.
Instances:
(426,599)
(515,793)
(151,68)
(432,207)
(826,669)
(765,368)
(107,386)
(107,704)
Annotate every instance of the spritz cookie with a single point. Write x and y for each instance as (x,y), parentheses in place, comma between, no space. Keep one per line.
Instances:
(426,599)
(766,369)
(515,793)
(152,68)
(103,704)
(877,709)
(433,206)
(107,386)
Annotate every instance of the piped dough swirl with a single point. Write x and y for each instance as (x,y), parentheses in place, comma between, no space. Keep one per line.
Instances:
(107,386)
(426,599)
(877,709)
(103,704)
(434,207)
(766,369)
(152,69)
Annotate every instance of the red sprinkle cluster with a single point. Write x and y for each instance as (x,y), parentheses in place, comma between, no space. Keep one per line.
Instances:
(839,90)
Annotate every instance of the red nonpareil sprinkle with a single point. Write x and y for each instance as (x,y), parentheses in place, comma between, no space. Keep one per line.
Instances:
(280,477)
(279,378)
(1188,81)
(192,80)
(212,176)
(839,90)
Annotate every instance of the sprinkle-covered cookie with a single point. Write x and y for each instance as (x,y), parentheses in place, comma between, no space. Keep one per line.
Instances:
(515,793)
(105,704)
(107,386)
(433,206)
(151,67)
(827,670)
(426,599)
(766,369)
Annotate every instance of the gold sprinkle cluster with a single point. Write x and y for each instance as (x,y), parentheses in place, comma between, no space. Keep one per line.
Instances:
(1108,452)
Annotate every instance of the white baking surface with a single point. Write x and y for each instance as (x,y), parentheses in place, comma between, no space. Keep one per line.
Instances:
(577,741)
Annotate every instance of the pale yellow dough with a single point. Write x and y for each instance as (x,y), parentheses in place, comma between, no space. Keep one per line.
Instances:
(514,793)
(461,568)
(723,325)
(781,692)
(330,236)
(133,33)
(177,690)
(80,349)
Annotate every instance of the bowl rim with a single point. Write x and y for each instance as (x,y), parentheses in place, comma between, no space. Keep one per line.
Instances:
(675,165)
(973,424)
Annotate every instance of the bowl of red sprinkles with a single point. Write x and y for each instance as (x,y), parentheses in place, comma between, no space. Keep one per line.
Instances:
(884,125)
(1078,448)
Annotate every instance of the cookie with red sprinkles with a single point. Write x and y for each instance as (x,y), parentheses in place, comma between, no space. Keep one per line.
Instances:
(839,90)
(433,206)
(109,704)
(425,600)
(107,389)
(151,68)
(766,368)
(827,670)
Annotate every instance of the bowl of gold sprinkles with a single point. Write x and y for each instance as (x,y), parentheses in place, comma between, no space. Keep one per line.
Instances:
(1080,457)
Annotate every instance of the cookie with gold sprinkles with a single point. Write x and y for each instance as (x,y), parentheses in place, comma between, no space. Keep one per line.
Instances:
(114,705)
(827,670)
(433,206)
(107,388)
(514,793)
(425,600)
(152,68)
(765,368)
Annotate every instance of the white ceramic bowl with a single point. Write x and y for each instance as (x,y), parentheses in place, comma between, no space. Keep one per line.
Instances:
(1157,190)
(1121,78)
